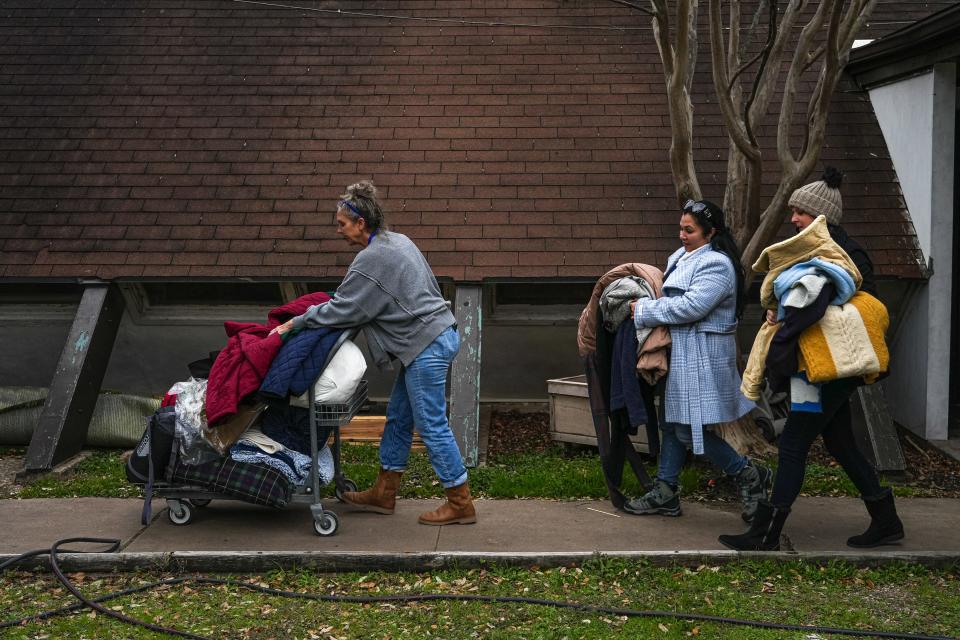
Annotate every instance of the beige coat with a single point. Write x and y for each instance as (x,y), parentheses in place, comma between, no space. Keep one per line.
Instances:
(652,363)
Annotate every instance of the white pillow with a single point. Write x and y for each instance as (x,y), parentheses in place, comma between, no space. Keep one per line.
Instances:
(339,380)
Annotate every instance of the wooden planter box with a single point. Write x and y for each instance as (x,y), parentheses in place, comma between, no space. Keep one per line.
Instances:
(570,417)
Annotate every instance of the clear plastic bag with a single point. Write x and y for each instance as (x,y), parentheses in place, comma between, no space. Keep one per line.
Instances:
(192,421)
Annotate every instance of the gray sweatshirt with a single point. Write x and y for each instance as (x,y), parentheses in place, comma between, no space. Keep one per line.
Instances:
(391,292)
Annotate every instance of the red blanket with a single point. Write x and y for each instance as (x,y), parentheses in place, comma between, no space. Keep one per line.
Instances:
(241,365)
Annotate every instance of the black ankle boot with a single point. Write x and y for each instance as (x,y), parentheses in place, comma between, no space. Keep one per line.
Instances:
(885,525)
(764,531)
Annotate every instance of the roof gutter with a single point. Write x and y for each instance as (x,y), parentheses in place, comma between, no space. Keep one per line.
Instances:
(908,51)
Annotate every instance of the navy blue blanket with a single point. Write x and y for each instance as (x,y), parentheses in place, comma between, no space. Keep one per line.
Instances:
(290,426)
(299,363)
(624,384)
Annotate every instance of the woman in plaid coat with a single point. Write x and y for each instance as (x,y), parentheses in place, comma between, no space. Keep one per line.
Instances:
(703,296)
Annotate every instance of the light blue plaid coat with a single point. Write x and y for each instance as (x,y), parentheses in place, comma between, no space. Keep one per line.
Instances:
(699,305)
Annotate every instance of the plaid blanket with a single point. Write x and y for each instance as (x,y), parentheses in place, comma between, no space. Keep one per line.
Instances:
(254,483)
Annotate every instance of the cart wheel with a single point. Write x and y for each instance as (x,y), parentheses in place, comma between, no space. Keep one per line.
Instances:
(200,502)
(179,512)
(344,486)
(327,524)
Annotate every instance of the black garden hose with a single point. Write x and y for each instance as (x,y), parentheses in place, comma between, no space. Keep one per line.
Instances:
(114,544)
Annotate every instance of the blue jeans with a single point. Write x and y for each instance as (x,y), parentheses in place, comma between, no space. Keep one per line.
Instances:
(418,401)
(675,438)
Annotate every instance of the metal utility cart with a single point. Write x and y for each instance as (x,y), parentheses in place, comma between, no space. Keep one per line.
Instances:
(182,500)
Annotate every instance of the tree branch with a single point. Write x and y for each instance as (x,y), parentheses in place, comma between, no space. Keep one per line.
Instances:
(661,33)
(770,222)
(677,59)
(770,74)
(746,65)
(853,25)
(835,53)
(819,105)
(731,119)
(682,69)
(852,21)
(633,6)
(792,85)
(764,57)
(813,57)
(755,21)
(733,44)
(693,43)
(842,26)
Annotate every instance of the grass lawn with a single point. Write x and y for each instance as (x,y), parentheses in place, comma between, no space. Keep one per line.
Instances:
(901,598)
(896,598)
(552,474)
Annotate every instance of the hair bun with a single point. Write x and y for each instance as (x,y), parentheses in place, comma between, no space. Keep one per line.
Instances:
(833,177)
(363,188)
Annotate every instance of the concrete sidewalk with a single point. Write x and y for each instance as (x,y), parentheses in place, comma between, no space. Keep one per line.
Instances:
(229,534)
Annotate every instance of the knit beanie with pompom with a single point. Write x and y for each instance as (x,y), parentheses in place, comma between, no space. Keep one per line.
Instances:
(821,197)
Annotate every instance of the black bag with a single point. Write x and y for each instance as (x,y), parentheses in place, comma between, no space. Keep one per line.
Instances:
(201,368)
(155,455)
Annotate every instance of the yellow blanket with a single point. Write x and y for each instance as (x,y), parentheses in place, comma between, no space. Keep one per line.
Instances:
(847,342)
(752,380)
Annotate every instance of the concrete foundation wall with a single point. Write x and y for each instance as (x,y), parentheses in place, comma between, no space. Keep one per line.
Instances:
(148,359)
(518,358)
(906,387)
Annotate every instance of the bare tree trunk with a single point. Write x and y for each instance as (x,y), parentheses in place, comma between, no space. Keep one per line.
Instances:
(735,196)
(678,53)
(681,153)
(744,435)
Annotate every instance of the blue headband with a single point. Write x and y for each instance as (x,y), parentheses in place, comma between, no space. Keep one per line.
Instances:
(344,203)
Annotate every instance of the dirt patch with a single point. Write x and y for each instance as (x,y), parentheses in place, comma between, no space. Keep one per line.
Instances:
(928,469)
(10,465)
(518,432)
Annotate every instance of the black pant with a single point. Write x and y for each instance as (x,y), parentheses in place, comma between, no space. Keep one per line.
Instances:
(834,424)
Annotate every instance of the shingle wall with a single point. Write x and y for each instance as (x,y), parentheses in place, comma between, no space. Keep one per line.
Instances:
(209,138)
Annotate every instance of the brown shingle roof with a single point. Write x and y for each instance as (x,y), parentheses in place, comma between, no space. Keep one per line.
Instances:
(202,138)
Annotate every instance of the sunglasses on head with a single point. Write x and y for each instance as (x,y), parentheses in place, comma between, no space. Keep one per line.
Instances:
(697,207)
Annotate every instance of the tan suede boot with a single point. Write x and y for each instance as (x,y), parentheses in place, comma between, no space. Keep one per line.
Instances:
(381,497)
(458,509)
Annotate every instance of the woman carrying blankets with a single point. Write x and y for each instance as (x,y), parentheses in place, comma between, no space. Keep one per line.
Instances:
(823,337)
(703,298)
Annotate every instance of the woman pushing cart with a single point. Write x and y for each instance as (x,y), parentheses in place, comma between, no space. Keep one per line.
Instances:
(391,293)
